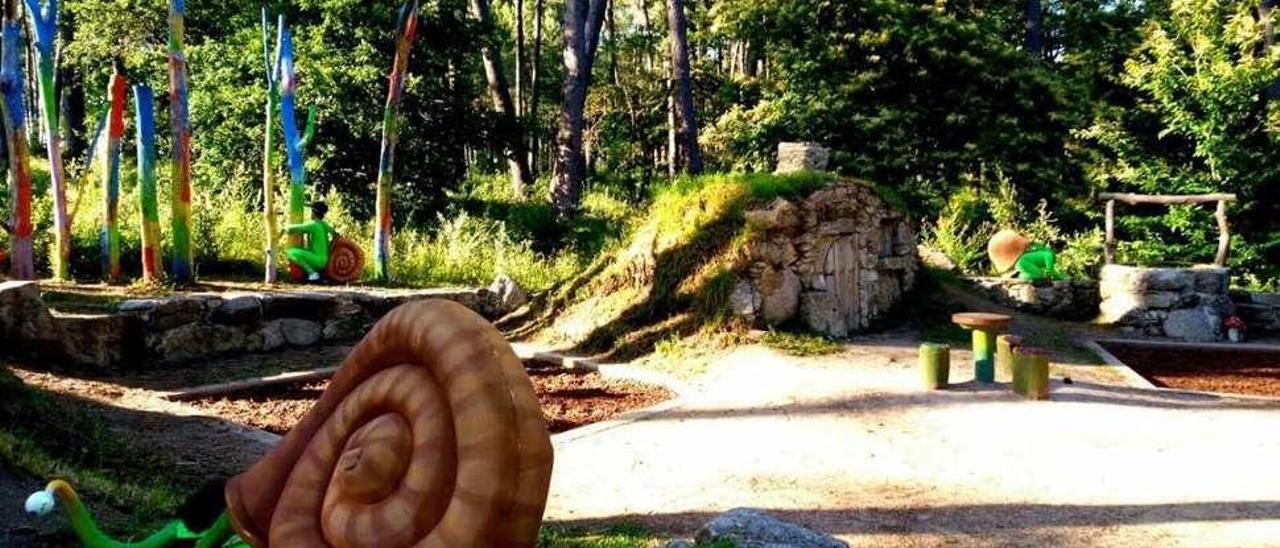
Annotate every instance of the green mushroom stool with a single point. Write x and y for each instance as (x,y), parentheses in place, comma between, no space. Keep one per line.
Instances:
(985,327)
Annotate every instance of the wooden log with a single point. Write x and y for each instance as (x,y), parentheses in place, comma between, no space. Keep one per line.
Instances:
(233,387)
(1004,356)
(1224,235)
(935,365)
(1109,249)
(180,120)
(406,30)
(1033,364)
(1165,199)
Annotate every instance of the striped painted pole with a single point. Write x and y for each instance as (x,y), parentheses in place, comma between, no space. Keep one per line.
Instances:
(181,263)
(406,30)
(116,91)
(144,107)
(269,158)
(295,144)
(22,258)
(45,22)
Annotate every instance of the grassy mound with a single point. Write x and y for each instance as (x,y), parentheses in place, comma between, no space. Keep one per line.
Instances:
(672,275)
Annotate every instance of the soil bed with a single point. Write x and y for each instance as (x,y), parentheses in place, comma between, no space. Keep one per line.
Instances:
(1249,372)
(569,400)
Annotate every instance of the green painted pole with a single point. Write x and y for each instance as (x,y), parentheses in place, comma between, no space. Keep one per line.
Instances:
(269,157)
(984,358)
(407,29)
(45,23)
(116,91)
(1034,367)
(1004,356)
(22,257)
(179,115)
(935,366)
(144,107)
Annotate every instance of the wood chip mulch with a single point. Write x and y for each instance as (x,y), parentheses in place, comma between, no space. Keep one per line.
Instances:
(569,400)
(1233,372)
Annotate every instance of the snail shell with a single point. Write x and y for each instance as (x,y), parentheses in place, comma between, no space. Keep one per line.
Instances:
(346,261)
(428,435)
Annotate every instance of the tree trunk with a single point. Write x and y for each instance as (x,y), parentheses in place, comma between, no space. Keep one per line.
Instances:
(514,149)
(144,106)
(1035,29)
(406,31)
(116,91)
(535,131)
(582,22)
(13,108)
(45,18)
(689,155)
(179,119)
(520,60)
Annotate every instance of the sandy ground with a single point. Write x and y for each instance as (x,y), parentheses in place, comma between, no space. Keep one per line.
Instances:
(848,444)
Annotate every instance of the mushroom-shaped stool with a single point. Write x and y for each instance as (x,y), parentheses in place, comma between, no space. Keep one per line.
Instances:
(985,327)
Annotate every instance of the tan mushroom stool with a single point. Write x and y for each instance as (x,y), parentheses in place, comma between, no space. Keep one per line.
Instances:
(985,327)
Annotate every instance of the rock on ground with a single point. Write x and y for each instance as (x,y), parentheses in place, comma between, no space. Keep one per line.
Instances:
(749,528)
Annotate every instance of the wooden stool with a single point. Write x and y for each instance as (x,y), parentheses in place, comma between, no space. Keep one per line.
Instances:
(1031,367)
(935,365)
(1004,357)
(985,327)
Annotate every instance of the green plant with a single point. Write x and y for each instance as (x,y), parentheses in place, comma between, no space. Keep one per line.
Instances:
(959,233)
(800,344)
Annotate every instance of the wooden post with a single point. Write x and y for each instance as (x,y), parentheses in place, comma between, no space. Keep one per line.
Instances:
(13,107)
(179,118)
(271,58)
(144,108)
(45,24)
(935,366)
(295,143)
(406,30)
(1224,235)
(116,91)
(1110,247)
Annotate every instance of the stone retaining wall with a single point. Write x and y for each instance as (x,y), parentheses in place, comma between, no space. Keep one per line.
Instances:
(1069,300)
(1260,311)
(836,261)
(1179,303)
(192,326)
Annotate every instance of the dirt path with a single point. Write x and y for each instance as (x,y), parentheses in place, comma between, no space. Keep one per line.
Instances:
(848,445)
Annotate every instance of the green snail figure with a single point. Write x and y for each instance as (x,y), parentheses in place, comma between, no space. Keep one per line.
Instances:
(1032,261)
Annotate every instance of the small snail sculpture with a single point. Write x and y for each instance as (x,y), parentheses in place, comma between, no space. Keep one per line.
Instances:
(429,435)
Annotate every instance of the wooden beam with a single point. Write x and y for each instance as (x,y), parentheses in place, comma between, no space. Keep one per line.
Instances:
(1166,199)
(1224,235)
(1109,248)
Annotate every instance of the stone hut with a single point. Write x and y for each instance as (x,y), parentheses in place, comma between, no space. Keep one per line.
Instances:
(835,261)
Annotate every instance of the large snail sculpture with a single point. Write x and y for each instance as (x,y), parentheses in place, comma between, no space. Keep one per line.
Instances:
(429,435)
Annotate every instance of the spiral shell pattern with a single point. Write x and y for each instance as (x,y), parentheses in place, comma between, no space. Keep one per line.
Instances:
(346,261)
(429,435)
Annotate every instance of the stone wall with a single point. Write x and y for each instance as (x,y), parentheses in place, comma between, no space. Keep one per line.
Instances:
(795,157)
(836,261)
(1069,300)
(188,327)
(1260,311)
(1179,303)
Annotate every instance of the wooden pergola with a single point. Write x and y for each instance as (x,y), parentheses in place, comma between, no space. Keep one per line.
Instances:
(1224,228)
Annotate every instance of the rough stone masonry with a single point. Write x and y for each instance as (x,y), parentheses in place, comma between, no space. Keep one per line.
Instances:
(835,261)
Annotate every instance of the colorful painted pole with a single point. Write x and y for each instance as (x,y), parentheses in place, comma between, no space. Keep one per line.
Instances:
(406,30)
(180,116)
(116,91)
(144,106)
(295,145)
(45,22)
(269,159)
(22,258)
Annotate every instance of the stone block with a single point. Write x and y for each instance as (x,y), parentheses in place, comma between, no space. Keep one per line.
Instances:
(239,310)
(175,312)
(820,311)
(794,157)
(198,340)
(779,296)
(509,295)
(1211,279)
(1199,324)
(300,332)
(307,306)
(749,528)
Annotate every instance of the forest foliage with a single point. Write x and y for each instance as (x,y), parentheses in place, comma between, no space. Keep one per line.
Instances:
(947,103)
